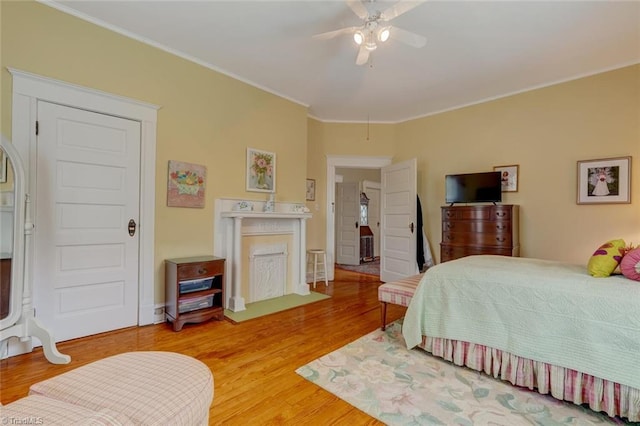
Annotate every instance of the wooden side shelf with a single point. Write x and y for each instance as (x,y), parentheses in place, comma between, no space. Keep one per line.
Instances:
(194,290)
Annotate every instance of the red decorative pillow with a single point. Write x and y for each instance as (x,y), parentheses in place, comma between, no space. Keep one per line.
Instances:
(630,265)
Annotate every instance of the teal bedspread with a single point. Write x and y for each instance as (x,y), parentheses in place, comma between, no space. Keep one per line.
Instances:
(542,310)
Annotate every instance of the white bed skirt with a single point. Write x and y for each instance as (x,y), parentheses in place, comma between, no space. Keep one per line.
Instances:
(562,383)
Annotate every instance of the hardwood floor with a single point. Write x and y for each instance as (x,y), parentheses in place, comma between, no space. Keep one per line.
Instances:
(253,362)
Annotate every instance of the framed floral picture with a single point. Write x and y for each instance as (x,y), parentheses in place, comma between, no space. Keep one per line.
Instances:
(604,181)
(261,171)
(185,187)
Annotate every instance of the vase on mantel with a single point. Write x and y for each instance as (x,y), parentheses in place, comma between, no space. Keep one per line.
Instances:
(269,206)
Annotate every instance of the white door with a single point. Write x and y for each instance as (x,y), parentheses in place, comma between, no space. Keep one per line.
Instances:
(372,189)
(347,226)
(85,261)
(398,198)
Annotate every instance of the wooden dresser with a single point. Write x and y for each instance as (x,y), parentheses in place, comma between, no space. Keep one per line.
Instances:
(481,229)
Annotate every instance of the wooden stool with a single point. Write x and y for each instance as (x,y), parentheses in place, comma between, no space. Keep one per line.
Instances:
(319,259)
(397,292)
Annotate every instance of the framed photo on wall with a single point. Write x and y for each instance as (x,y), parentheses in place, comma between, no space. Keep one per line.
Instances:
(261,171)
(311,189)
(508,177)
(604,181)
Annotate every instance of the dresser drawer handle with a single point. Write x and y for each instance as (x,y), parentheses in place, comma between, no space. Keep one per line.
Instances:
(501,239)
(501,227)
(450,237)
(202,271)
(501,214)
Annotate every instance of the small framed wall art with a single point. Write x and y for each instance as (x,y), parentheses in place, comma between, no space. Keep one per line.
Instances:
(261,171)
(508,177)
(3,167)
(604,181)
(311,189)
(185,187)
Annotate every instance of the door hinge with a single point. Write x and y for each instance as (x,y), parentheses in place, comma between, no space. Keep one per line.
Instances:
(37,127)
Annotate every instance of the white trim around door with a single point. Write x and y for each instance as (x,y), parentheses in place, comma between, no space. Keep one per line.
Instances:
(351,161)
(28,89)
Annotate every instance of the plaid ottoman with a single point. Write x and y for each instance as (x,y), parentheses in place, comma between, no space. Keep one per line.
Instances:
(397,292)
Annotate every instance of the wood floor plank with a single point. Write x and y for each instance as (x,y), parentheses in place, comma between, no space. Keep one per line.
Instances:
(253,362)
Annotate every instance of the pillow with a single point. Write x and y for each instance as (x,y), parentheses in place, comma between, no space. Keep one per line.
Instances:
(630,265)
(606,259)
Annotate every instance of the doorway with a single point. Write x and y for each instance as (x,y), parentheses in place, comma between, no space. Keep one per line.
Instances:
(351,162)
(362,206)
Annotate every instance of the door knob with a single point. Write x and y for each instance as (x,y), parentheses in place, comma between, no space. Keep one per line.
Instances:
(411,227)
(132,227)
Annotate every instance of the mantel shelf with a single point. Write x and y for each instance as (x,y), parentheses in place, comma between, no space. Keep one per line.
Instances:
(266,215)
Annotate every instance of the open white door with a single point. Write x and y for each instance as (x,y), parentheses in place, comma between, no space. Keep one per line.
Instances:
(347,217)
(398,233)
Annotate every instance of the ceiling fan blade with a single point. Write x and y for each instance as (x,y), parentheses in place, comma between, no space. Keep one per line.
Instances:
(335,33)
(358,8)
(363,56)
(399,8)
(407,37)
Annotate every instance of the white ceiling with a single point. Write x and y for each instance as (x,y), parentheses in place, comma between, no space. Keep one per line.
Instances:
(476,50)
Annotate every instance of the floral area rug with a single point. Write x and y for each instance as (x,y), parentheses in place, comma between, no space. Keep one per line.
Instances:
(379,376)
(367,268)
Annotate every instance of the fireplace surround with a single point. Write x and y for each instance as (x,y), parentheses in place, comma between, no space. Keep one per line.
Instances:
(275,266)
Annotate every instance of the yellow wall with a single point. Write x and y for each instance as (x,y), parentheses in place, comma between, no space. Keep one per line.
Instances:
(544,131)
(205,117)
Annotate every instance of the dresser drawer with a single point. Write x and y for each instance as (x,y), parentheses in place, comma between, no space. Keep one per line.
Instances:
(200,270)
(448,252)
(482,226)
(498,239)
(475,213)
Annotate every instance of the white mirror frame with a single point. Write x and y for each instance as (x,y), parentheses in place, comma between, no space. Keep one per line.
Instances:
(17,256)
(21,321)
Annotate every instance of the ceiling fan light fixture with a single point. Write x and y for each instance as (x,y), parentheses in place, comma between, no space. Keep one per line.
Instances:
(358,37)
(370,42)
(383,34)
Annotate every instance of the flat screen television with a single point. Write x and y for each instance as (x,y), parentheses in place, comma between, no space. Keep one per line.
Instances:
(473,188)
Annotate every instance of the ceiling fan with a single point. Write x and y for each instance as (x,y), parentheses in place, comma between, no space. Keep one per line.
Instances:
(376,29)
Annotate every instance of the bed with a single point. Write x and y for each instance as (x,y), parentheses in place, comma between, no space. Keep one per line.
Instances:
(540,324)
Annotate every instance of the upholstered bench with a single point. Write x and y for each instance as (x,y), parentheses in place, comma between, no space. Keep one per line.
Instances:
(133,388)
(397,292)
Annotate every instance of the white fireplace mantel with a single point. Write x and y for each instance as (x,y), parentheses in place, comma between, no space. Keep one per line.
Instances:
(231,225)
(263,215)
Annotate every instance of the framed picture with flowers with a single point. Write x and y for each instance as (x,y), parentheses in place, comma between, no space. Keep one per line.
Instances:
(261,171)
(185,187)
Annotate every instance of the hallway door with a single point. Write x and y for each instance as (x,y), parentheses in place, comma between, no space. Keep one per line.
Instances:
(347,226)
